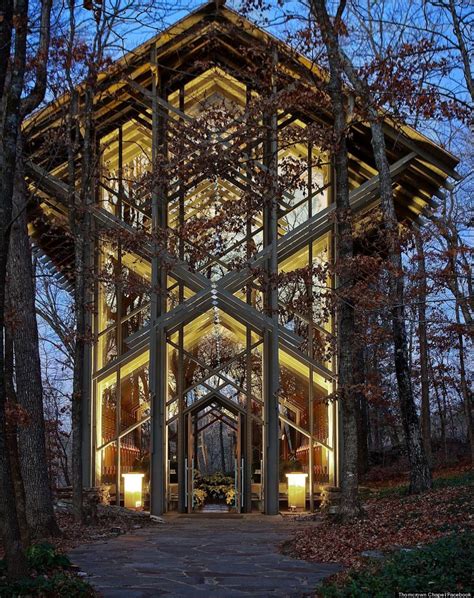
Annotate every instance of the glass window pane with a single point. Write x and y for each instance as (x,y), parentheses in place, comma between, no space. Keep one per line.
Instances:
(320,420)
(134,393)
(135,458)
(107,347)
(107,397)
(294,395)
(135,291)
(133,324)
(107,291)
(108,466)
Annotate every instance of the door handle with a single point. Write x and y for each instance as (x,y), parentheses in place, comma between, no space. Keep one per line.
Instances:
(236,484)
(185,482)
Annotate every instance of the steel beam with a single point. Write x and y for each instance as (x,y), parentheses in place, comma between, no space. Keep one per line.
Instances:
(158,348)
(315,227)
(271,367)
(180,383)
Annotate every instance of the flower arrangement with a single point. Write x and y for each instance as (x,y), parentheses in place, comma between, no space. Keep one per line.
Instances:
(230,497)
(217,487)
(199,496)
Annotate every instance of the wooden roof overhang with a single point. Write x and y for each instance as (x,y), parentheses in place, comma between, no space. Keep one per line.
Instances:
(215,36)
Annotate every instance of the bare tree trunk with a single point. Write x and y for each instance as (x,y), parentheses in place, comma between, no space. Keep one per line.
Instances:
(464,305)
(78,374)
(78,383)
(81,204)
(14,15)
(420,475)
(362,411)
(375,438)
(63,455)
(6,14)
(423,347)
(11,535)
(12,444)
(442,414)
(376,431)
(363,433)
(466,392)
(78,226)
(455,250)
(462,47)
(9,123)
(350,506)
(29,388)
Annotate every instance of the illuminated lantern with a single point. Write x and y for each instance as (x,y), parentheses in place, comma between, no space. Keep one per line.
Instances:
(133,490)
(297,490)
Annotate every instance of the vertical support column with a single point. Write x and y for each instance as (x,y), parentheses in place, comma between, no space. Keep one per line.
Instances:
(118,327)
(248,426)
(337,436)
(191,455)
(181,448)
(247,451)
(158,349)
(118,454)
(270,354)
(310,335)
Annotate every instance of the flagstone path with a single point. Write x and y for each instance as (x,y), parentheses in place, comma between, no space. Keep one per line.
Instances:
(217,556)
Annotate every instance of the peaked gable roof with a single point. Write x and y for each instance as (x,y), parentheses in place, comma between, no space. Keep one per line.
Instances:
(220,31)
(214,36)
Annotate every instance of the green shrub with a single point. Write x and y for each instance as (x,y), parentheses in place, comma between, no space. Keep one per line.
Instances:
(49,576)
(44,557)
(54,586)
(444,565)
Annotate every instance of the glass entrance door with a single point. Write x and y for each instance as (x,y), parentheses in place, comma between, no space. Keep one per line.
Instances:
(239,468)
(189,465)
(214,462)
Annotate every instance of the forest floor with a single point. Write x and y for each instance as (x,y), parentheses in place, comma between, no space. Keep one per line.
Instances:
(400,540)
(111,521)
(50,571)
(393,521)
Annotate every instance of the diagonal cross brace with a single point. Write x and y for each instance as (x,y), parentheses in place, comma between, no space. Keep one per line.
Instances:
(208,292)
(289,244)
(232,282)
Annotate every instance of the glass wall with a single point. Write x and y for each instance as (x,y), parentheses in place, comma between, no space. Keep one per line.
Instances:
(123,421)
(216,355)
(124,284)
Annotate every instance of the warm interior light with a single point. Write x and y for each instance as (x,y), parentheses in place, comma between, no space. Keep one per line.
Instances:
(133,483)
(297,490)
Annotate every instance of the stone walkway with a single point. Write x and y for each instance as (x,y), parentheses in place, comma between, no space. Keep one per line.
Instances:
(194,556)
